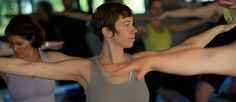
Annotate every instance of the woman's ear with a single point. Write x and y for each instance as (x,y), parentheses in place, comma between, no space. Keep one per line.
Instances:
(107,33)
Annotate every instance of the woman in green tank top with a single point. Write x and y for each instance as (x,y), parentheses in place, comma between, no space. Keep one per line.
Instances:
(158,36)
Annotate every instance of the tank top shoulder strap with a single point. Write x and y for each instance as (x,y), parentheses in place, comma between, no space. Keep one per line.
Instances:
(43,56)
(133,73)
(95,69)
(129,57)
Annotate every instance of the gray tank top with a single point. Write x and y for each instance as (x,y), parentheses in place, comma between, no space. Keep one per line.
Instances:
(99,90)
(24,89)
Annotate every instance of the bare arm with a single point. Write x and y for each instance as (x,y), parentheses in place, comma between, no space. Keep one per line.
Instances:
(141,17)
(219,60)
(202,39)
(227,4)
(203,12)
(54,56)
(64,70)
(185,26)
(78,15)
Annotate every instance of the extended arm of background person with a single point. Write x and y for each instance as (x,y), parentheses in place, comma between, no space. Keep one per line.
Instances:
(174,28)
(197,41)
(227,4)
(63,70)
(77,15)
(202,39)
(204,12)
(141,17)
(218,60)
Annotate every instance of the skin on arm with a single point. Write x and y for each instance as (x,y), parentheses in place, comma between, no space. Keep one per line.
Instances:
(185,26)
(141,17)
(227,4)
(54,56)
(219,60)
(202,39)
(204,12)
(64,70)
(77,15)
(196,42)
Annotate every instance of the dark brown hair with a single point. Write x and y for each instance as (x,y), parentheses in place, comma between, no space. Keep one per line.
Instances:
(106,15)
(25,27)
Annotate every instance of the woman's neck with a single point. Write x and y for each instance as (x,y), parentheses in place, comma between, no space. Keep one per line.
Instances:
(33,55)
(111,55)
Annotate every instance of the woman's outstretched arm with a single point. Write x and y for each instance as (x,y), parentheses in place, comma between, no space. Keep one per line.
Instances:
(218,60)
(63,70)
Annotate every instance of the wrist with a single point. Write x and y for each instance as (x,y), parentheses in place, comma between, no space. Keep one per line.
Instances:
(151,61)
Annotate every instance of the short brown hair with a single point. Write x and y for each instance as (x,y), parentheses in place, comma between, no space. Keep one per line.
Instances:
(106,15)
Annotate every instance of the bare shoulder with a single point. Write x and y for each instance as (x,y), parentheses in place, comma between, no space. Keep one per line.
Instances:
(80,62)
(79,68)
(83,66)
(54,56)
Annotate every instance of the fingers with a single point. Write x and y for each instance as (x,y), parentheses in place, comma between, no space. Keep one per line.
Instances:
(226,4)
(232,7)
(231,20)
(229,26)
